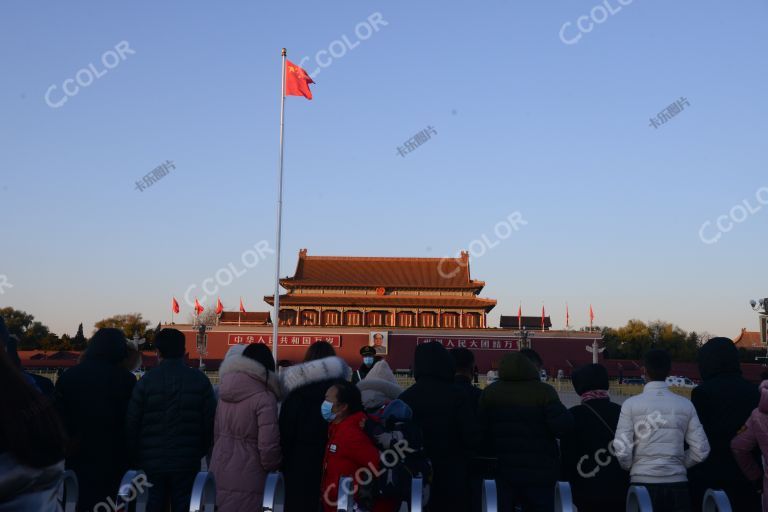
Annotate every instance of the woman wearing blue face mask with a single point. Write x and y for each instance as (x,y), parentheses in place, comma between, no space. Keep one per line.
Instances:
(303,430)
(369,358)
(349,451)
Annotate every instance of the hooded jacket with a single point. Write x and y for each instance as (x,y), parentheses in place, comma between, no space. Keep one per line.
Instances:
(652,432)
(754,435)
(246,435)
(379,386)
(92,399)
(521,418)
(724,400)
(303,431)
(447,423)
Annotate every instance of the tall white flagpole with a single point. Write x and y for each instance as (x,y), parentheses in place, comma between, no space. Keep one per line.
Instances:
(276,316)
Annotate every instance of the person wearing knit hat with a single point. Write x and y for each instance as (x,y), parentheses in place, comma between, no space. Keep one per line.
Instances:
(379,387)
(596,484)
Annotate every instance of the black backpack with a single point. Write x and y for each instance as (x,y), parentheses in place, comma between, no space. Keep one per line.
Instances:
(402,455)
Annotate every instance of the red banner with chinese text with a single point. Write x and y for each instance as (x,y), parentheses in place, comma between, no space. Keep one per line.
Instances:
(285,340)
(488,343)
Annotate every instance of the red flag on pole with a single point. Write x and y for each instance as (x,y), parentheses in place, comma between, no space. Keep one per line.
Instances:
(520,317)
(219,306)
(297,81)
(242,308)
(591,317)
(542,318)
(198,308)
(175,306)
(567,317)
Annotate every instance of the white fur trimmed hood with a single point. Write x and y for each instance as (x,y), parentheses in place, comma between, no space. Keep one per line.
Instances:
(236,363)
(300,375)
(379,386)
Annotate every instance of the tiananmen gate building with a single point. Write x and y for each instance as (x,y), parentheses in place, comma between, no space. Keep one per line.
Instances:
(346,300)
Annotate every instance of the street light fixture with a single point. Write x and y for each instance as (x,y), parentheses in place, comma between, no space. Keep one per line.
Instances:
(202,344)
(761,306)
(757,305)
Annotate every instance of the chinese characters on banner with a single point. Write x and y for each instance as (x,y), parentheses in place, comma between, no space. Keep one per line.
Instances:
(495,343)
(283,340)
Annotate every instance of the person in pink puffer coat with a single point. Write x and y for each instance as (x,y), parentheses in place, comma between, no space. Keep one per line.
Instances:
(754,434)
(246,434)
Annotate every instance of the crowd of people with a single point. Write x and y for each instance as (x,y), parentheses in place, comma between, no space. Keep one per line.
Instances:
(319,420)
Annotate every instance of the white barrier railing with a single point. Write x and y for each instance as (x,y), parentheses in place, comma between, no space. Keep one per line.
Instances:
(68,491)
(417,494)
(203,497)
(344,499)
(563,497)
(132,494)
(490,501)
(638,499)
(716,501)
(274,493)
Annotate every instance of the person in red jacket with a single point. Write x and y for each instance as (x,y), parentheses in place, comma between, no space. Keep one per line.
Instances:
(349,451)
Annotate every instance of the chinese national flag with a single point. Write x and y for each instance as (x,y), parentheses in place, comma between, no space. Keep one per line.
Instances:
(591,315)
(297,81)
(543,314)
(175,306)
(242,308)
(567,317)
(219,306)
(198,308)
(520,317)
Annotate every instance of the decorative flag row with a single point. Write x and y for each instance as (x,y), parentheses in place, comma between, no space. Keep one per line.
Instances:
(198,308)
(544,316)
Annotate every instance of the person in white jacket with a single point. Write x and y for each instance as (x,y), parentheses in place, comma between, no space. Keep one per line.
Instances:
(650,439)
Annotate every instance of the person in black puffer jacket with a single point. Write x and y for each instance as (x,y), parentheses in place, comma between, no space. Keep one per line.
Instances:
(443,412)
(521,418)
(597,480)
(723,401)
(170,424)
(92,399)
(303,431)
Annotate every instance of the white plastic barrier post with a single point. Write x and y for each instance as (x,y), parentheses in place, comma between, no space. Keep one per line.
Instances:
(716,501)
(68,491)
(417,494)
(274,493)
(563,497)
(203,493)
(344,499)
(134,490)
(490,498)
(638,499)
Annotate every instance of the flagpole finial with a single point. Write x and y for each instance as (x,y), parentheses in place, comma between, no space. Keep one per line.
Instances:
(284,53)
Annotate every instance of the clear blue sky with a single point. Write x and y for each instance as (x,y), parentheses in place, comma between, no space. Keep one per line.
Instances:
(524,123)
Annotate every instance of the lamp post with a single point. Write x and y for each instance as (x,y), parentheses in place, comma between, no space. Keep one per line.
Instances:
(761,306)
(525,336)
(202,344)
